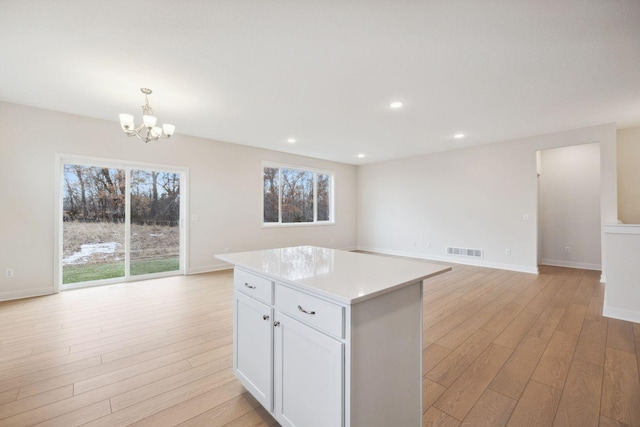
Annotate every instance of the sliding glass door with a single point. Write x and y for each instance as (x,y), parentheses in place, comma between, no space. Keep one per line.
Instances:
(119,222)
(155,220)
(93,237)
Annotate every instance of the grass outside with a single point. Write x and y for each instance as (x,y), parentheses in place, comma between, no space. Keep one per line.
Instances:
(154,249)
(109,270)
(148,266)
(87,272)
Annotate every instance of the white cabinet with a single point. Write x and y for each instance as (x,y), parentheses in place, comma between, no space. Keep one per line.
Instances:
(327,338)
(309,369)
(293,369)
(253,347)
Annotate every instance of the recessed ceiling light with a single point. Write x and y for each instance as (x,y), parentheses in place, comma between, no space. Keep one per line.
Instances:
(458,135)
(396,104)
(361,155)
(291,140)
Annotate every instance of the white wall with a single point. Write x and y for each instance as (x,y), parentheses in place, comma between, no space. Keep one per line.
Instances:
(225,192)
(570,206)
(629,175)
(622,293)
(473,197)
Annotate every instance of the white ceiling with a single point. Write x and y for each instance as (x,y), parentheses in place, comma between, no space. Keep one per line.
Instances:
(257,72)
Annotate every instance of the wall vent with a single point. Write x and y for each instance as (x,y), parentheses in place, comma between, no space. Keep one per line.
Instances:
(474,253)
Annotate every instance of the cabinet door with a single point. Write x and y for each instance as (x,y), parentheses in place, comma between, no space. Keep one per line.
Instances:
(309,371)
(253,351)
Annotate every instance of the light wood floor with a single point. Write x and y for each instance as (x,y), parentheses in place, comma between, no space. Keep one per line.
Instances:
(500,348)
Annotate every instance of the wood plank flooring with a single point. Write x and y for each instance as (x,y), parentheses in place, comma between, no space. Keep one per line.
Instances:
(500,349)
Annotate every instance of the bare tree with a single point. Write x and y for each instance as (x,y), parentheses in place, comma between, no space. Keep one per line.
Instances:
(83,195)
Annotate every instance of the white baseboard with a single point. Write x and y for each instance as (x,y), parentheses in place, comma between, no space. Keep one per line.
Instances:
(210,268)
(27,293)
(455,260)
(621,313)
(571,264)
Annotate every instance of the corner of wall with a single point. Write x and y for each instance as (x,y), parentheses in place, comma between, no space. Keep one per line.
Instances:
(29,293)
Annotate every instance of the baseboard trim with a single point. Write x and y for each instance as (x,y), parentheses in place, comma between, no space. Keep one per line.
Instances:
(29,293)
(622,314)
(210,268)
(571,264)
(455,260)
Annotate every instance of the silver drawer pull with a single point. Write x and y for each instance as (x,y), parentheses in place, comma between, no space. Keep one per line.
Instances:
(305,311)
(265,317)
(249,286)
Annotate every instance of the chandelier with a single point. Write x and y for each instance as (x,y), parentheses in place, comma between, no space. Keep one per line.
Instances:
(147,131)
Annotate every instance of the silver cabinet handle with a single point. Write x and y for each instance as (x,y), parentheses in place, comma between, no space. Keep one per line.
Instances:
(249,286)
(265,317)
(305,311)
(276,323)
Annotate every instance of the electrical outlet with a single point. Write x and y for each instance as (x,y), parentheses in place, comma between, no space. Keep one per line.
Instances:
(226,250)
(507,251)
(8,273)
(525,217)
(428,244)
(567,249)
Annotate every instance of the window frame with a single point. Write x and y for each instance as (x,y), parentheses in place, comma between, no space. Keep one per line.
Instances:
(316,172)
(62,159)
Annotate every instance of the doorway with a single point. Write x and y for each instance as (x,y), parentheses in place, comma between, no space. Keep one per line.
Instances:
(119,222)
(569,206)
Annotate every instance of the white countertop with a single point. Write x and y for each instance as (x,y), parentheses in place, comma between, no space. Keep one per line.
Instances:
(346,277)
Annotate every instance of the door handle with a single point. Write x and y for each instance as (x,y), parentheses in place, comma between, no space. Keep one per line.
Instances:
(305,311)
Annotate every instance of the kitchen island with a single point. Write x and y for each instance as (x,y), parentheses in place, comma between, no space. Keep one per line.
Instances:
(325,337)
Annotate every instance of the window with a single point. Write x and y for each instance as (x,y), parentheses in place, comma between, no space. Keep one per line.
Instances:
(297,196)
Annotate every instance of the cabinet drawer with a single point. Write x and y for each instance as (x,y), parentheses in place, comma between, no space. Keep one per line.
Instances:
(253,285)
(319,313)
